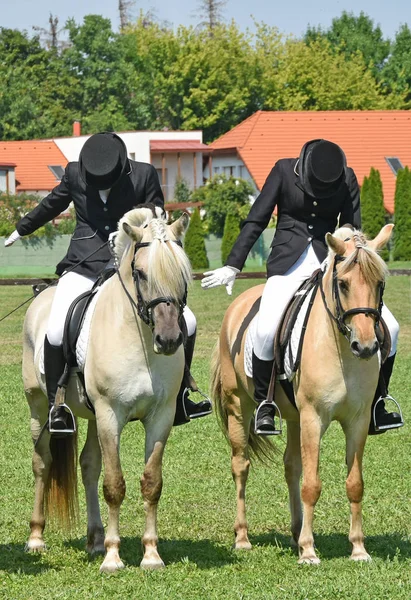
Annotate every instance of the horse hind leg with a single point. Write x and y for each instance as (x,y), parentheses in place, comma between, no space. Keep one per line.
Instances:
(41,463)
(356,436)
(293,469)
(239,422)
(90,461)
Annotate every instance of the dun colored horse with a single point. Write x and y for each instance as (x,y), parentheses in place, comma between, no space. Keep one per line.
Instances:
(336,380)
(133,370)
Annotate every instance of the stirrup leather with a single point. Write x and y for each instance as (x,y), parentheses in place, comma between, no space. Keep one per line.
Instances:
(384,399)
(73,421)
(200,414)
(275,431)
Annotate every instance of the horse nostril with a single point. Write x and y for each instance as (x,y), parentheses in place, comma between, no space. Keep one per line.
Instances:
(355,347)
(158,341)
(376,347)
(180,339)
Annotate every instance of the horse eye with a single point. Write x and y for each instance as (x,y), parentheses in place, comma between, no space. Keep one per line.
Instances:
(343,285)
(141,275)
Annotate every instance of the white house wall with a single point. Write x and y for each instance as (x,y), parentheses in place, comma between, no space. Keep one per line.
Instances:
(230,164)
(186,169)
(137,142)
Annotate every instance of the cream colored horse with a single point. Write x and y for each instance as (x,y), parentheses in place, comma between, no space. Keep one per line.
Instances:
(336,380)
(132,370)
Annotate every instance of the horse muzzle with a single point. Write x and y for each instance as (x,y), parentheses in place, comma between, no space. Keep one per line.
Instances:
(167,345)
(364,351)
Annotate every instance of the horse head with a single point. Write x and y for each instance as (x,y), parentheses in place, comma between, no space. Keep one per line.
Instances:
(160,270)
(356,274)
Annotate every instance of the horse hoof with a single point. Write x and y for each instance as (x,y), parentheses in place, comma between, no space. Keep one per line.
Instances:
(96,550)
(150,564)
(35,546)
(361,557)
(243,545)
(309,560)
(114,566)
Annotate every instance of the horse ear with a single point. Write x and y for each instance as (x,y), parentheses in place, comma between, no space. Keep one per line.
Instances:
(335,244)
(179,227)
(382,238)
(135,233)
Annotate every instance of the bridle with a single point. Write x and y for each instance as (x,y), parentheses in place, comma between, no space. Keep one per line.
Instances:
(340,314)
(145,309)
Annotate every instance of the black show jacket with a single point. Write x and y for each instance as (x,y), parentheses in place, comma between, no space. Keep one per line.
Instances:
(95,220)
(301,219)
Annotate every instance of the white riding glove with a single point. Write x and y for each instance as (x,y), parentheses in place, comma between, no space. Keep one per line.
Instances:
(222,276)
(12,238)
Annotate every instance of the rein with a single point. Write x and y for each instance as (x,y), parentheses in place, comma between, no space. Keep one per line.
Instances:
(341,315)
(145,309)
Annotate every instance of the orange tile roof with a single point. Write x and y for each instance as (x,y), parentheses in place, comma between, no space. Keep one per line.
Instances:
(178,146)
(32,158)
(366,137)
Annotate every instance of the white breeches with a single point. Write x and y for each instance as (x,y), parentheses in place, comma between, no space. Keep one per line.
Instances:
(68,288)
(277,293)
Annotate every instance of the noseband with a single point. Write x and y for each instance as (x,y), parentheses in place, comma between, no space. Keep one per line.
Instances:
(145,309)
(340,314)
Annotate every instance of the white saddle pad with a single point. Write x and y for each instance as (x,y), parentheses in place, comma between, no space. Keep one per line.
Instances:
(292,348)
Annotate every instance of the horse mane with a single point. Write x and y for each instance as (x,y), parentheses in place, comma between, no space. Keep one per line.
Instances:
(372,266)
(169,269)
(135,217)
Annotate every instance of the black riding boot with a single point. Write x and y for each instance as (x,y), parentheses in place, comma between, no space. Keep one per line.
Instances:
(265,412)
(384,419)
(186,409)
(61,422)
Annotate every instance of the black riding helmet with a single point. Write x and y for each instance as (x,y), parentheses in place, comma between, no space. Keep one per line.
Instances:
(321,168)
(103,160)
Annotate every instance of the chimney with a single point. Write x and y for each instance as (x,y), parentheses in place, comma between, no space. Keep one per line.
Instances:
(76,128)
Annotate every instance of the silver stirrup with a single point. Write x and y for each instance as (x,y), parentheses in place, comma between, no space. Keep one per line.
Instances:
(385,427)
(278,431)
(200,414)
(67,431)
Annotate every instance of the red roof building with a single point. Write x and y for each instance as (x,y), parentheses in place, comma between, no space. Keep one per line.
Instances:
(368,138)
(38,164)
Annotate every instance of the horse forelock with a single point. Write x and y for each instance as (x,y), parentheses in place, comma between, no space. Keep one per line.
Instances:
(169,269)
(137,217)
(371,265)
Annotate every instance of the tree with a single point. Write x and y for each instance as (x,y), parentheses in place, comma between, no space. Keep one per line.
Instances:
(231,232)
(50,37)
(124,8)
(194,244)
(396,74)
(211,12)
(373,214)
(182,192)
(349,35)
(402,231)
(221,196)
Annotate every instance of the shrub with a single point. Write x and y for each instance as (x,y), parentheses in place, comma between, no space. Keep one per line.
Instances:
(231,231)
(220,196)
(13,207)
(194,244)
(373,214)
(402,231)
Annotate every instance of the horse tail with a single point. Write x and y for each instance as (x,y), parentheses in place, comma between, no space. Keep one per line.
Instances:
(260,447)
(61,500)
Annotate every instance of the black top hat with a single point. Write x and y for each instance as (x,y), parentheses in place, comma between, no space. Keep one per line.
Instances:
(321,168)
(103,160)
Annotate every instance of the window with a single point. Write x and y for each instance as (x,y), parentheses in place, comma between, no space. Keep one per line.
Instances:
(394,163)
(242,172)
(229,171)
(216,170)
(57,171)
(3,181)
(133,155)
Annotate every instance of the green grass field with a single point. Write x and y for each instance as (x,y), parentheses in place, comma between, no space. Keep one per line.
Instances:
(197,507)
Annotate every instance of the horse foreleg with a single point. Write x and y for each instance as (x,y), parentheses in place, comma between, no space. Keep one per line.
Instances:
(114,486)
(41,463)
(356,436)
(238,431)
(311,486)
(151,487)
(90,461)
(293,469)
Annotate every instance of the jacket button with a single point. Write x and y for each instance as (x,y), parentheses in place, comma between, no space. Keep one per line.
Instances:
(310,226)
(105,209)
(315,203)
(309,239)
(107,227)
(313,214)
